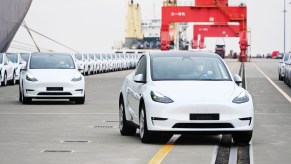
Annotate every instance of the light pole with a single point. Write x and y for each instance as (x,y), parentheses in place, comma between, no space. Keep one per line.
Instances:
(284,11)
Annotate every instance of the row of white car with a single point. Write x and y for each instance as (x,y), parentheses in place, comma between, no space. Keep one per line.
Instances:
(10,65)
(92,63)
(87,63)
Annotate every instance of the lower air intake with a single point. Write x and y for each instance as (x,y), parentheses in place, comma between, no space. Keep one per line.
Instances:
(203,125)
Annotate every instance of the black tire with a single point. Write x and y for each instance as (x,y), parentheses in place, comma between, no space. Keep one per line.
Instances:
(25,100)
(242,137)
(80,100)
(146,136)
(13,81)
(0,79)
(20,95)
(280,77)
(124,127)
(4,83)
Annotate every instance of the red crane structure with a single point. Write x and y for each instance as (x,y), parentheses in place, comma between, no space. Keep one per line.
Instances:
(212,31)
(216,12)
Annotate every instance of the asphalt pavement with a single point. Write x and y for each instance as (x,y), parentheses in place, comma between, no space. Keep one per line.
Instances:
(60,132)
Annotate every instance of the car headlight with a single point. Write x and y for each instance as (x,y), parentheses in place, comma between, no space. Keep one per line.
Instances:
(241,98)
(29,77)
(75,79)
(157,97)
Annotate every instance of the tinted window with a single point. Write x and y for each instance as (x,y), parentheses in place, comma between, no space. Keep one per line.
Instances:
(51,61)
(91,56)
(188,68)
(141,68)
(12,57)
(97,56)
(78,56)
(25,56)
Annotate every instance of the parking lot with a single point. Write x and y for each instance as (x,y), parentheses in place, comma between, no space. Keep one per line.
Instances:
(56,131)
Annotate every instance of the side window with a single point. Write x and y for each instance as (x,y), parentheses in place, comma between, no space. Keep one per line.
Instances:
(141,67)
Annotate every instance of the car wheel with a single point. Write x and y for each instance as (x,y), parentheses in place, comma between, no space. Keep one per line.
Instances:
(5,79)
(280,77)
(242,137)
(80,100)
(13,82)
(25,100)
(125,129)
(20,95)
(146,136)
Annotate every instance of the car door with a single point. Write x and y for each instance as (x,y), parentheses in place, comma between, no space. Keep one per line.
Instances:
(134,88)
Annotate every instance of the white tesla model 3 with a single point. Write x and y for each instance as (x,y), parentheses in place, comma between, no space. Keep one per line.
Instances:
(51,76)
(184,92)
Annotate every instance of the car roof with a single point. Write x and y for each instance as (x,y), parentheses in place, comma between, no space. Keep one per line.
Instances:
(184,54)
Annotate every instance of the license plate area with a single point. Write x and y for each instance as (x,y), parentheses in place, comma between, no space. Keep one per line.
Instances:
(54,88)
(213,116)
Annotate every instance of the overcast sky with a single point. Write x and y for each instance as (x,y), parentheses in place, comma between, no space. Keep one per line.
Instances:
(93,25)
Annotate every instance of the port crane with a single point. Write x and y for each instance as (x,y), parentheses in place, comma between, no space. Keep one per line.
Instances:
(216,12)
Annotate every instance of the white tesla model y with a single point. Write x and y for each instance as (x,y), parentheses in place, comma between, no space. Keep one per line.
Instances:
(51,76)
(184,92)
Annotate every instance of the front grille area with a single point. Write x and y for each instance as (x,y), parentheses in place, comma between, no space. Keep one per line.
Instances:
(203,125)
(54,94)
(54,88)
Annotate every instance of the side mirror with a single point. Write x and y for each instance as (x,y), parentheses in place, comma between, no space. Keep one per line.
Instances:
(23,69)
(80,70)
(237,79)
(139,78)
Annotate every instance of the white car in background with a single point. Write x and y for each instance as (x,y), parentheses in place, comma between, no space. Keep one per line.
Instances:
(282,65)
(7,71)
(98,62)
(18,63)
(86,64)
(51,76)
(79,60)
(184,92)
(93,63)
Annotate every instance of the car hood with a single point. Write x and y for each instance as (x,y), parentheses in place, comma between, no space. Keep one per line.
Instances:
(196,90)
(55,75)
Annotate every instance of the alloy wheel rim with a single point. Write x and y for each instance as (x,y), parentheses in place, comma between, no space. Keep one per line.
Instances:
(120,117)
(141,124)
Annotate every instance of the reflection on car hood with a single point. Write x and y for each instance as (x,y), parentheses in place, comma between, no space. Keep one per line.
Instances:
(195,90)
(54,75)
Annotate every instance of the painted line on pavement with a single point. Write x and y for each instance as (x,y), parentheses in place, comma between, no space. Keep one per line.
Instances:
(162,153)
(233,155)
(276,86)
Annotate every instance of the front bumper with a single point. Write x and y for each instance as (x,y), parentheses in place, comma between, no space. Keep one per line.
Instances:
(52,90)
(176,118)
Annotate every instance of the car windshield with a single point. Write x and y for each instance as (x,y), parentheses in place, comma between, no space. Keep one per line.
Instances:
(12,57)
(25,56)
(78,56)
(51,61)
(91,56)
(1,58)
(188,68)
